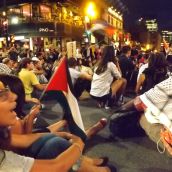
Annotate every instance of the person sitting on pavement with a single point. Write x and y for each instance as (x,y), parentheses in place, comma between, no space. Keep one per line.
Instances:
(25,125)
(38,70)
(155,111)
(6,66)
(126,64)
(143,66)
(81,80)
(154,74)
(107,83)
(62,162)
(29,79)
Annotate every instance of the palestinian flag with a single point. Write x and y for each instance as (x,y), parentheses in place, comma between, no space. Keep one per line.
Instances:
(60,89)
(109,30)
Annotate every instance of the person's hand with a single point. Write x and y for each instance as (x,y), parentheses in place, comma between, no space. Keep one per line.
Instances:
(35,110)
(35,100)
(72,138)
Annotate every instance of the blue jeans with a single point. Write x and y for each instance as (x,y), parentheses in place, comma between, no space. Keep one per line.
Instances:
(48,147)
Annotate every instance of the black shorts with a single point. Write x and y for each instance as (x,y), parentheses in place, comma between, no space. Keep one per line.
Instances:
(104,98)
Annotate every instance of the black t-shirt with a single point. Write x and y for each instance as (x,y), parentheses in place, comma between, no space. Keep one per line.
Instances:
(126,66)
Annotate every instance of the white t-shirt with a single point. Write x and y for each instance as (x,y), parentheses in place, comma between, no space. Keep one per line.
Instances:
(15,163)
(101,83)
(159,103)
(75,74)
(142,68)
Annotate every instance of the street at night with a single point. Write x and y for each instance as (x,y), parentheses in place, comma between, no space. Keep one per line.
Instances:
(85,85)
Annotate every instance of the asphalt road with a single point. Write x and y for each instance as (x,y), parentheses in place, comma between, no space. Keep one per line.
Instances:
(138,154)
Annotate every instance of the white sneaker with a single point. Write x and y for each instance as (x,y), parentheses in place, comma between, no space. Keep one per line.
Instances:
(107,107)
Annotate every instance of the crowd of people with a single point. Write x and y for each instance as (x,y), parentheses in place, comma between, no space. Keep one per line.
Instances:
(106,74)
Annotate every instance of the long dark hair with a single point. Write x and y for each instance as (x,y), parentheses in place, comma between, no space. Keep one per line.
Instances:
(16,86)
(156,71)
(157,60)
(108,55)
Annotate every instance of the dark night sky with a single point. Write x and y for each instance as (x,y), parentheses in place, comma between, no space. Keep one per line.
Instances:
(160,9)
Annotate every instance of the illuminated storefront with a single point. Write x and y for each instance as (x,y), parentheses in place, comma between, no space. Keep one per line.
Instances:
(50,21)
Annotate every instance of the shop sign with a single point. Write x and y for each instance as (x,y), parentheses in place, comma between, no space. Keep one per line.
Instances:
(45,30)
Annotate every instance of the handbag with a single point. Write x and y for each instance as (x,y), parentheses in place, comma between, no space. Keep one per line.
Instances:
(125,123)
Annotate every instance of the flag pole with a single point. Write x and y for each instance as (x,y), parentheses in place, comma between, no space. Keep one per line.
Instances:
(96,44)
(43,92)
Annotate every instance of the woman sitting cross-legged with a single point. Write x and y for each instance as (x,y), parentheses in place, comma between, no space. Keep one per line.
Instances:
(107,83)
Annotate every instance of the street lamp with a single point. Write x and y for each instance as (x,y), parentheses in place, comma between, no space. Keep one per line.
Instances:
(91,14)
(91,11)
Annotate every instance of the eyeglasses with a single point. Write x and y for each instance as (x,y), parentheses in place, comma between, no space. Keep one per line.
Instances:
(4,93)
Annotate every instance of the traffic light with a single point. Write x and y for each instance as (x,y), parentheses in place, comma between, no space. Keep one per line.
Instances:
(87,36)
(88,33)
(5,27)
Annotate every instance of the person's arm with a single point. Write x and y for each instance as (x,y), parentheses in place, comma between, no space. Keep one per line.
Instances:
(24,140)
(40,86)
(114,70)
(118,67)
(28,120)
(86,76)
(39,72)
(155,99)
(64,161)
(32,99)
(140,83)
(160,115)
(35,83)
(18,127)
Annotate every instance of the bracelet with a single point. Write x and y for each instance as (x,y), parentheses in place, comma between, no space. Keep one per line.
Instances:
(79,147)
(77,165)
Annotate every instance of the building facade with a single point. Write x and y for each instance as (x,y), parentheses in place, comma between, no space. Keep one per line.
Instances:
(49,23)
(167,35)
(152,25)
(42,23)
